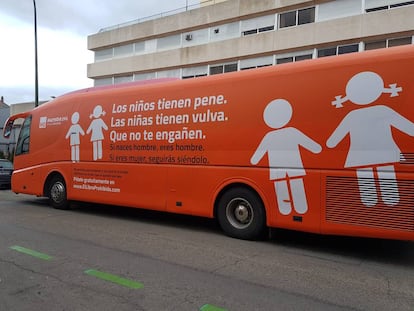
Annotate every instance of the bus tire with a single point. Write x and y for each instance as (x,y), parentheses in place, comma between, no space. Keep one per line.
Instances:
(57,193)
(241,214)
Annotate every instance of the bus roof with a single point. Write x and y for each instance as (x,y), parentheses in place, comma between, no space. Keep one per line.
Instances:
(121,85)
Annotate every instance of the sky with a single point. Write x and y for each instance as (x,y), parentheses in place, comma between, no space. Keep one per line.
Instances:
(62,30)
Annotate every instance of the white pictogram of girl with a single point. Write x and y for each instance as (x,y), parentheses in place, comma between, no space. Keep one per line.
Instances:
(96,127)
(372,150)
(74,133)
(285,162)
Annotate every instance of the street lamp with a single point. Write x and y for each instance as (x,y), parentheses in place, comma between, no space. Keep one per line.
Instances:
(36,73)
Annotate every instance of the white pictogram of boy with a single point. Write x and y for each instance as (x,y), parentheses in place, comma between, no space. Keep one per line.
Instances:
(96,127)
(285,162)
(74,133)
(372,147)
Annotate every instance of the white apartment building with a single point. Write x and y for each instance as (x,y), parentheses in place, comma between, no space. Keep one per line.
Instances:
(242,34)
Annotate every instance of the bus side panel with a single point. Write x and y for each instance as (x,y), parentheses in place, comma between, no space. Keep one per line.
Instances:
(193,190)
(32,180)
(28,180)
(134,185)
(346,212)
(298,202)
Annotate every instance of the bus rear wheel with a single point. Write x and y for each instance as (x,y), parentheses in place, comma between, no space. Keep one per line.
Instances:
(241,214)
(57,193)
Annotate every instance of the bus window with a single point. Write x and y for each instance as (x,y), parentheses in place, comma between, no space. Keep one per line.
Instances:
(24,137)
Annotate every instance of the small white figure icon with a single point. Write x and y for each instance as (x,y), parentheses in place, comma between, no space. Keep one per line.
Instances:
(372,150)
(74,133)
(96,127)
(285,162)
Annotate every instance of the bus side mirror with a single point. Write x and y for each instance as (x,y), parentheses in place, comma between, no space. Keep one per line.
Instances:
(8,128)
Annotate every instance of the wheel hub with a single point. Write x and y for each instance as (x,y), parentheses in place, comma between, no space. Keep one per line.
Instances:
(239,213)
(57,192)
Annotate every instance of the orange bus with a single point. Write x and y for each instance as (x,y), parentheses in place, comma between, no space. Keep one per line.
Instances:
(323,146)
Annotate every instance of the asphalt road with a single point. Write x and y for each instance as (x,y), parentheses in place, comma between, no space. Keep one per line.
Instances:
(111,258)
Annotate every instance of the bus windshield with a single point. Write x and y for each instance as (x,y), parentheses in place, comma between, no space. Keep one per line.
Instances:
(23,142)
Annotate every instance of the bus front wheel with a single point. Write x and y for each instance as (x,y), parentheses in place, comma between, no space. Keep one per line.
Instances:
(241,214)
(57,193)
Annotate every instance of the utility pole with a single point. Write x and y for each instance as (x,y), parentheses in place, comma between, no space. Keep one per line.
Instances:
(36,71)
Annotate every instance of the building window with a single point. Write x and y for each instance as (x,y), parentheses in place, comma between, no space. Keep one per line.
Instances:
(123,50)
(287,19)
(399,41)
(256,62)
(387,43)
(263,29)
(258,24)
(170,42)
(379,8)
(173,73)
(303,57)
(123,79)
(230,67)
(217,69)
(194,72)
(104,54)
(396,5)
(306,16)
(224,32)
(195,37)
(267,28)
(103,81)
(144,76)
(298,17)
(294,58)
(249,32)
(375,45)
(345,49)
(194,76)
(139,47)
(284,60)
(328,10)
(375,5)
(327,52)
(342,49)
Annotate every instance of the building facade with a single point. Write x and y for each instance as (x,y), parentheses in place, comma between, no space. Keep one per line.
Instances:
(243,34)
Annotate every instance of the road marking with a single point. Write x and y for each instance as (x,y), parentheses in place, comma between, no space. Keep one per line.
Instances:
(114,279)
(208,307)
(31,252)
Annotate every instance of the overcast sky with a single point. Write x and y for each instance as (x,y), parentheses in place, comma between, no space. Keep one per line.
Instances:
(62,30)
